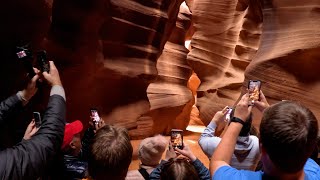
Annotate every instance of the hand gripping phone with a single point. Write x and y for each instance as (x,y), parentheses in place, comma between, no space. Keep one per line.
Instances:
(95,115)
(254,87)
(43,61)
(228,114)
(177,138)
(25,56)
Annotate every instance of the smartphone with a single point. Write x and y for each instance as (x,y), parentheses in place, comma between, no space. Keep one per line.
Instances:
(254,87)
(95,115)
(25,56)
(177,138)
(43,61)
(228,114)
(37,119)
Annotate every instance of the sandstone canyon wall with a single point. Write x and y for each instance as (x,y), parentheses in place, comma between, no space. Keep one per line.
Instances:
(170,98)
(227,36)
(108,50)
(127,57)
(288,58)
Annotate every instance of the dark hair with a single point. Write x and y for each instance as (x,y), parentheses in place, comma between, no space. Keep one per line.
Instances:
(111,153)
(178,169)
(246,128)
(288,132)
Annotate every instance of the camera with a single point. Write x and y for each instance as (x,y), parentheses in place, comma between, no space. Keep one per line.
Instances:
(25,55)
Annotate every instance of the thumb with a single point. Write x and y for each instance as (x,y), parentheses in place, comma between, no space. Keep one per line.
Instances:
(35,78)
(45,75)
(52,66)
(179,150)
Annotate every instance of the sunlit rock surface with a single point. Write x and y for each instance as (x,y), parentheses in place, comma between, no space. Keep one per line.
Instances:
(170,98)
(288,57)
(226,38)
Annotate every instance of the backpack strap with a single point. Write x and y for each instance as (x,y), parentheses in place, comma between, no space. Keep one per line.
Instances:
(144,173)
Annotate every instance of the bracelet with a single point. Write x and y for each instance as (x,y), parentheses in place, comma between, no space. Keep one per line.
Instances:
(237,120)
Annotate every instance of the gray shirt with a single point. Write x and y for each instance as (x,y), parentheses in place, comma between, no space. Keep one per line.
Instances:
(246,154)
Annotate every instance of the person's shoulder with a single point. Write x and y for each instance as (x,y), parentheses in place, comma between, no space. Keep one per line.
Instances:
(134,175)
(254,138)
(228,172)
(312,170)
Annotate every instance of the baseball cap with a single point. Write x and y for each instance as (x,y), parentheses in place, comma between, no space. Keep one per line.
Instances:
(70,130)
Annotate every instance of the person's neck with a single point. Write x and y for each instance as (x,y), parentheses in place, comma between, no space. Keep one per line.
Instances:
(274,173)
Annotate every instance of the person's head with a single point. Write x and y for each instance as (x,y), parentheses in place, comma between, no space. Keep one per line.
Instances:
(288,135)
(178,169)
(72,141)
(151,150)
(111,153)
(247,127)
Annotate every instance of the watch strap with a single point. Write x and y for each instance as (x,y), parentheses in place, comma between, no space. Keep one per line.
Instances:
(237,120)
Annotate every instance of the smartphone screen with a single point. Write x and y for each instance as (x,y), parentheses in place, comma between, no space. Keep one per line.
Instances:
(95,115)
(254,87)
(177,138)
(228,114)
(37,119)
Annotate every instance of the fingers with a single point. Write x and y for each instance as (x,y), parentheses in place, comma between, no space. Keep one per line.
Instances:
(262,97)
(37,71)
(52,66)
(46,75)
(35,78)
(179,151)
(224,110)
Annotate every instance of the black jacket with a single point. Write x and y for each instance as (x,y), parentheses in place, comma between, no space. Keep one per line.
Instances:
(28,159)
(74,168)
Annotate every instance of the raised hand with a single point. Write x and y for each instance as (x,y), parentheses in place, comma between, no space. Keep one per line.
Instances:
(243,108)
(31,130)
(186,151)
(262,104)
(52,77)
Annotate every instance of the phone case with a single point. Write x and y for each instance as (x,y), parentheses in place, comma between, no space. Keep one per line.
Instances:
(254,87)
(177,138)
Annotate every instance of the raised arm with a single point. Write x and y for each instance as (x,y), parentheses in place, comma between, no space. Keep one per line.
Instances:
(222,155)
(202,171)
(16,102)
(208,141)
(28,159)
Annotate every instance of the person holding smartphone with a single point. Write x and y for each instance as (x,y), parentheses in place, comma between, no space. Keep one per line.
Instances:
(76,150)
(288,136)
(29,159)
(246,153)
(186,167)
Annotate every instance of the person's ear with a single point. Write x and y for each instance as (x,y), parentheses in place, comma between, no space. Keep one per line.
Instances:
(72,145)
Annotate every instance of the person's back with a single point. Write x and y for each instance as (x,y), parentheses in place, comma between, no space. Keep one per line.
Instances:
(288,134)
(246,153)
(111,153)
(150,152)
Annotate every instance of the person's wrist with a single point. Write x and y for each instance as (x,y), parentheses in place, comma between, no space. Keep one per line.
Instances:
(25,96)
(237,120)
(193,158)
(57,83)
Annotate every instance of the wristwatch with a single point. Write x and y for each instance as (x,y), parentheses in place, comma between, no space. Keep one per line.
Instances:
(237,120)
